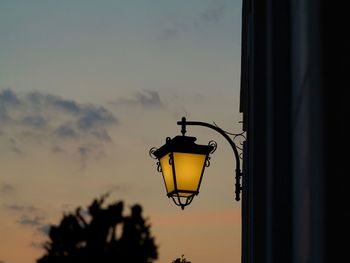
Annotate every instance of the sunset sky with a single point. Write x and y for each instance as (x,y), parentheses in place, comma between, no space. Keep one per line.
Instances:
(87,87)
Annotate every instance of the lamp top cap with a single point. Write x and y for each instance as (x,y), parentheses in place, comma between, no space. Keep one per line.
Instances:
(184,144)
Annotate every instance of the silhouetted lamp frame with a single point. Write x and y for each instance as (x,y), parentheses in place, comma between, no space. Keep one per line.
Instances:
(182,162)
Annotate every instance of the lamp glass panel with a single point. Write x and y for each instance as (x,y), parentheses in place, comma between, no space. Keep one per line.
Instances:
(188,169)
(167,173)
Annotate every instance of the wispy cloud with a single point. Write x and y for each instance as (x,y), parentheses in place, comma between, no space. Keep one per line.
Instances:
(22,208)
(66,130)
(6,188)
(87,152)
(34,221)
(211,15)
(8,100)
(30,216)
(149,98)
(145,98)
(50,120)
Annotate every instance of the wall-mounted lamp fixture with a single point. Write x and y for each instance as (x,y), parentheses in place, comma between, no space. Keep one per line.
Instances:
(181,162)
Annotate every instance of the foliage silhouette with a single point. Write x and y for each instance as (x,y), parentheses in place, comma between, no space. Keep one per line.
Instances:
(77,240)
(181,260)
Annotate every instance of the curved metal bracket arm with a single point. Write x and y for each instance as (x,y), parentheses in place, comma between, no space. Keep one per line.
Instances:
(238,186)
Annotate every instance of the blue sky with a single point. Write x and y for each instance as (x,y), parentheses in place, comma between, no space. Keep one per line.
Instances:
(87,87)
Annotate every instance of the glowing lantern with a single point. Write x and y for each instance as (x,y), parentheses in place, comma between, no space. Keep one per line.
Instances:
(181,162)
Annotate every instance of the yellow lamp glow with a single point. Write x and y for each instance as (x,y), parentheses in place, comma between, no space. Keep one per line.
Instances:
(182,164)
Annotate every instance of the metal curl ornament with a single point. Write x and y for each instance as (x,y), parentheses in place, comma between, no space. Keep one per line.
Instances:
(214,145)
(151,152)
(242,138)
(207,162)
(159,167)
(235,137)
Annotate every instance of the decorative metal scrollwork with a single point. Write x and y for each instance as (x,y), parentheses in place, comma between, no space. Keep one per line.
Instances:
(151,153)
(214,145)
(159,167)
(207,162)
(237,138)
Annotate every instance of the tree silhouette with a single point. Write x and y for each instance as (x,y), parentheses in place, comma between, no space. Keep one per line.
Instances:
(181,260)
(98,240)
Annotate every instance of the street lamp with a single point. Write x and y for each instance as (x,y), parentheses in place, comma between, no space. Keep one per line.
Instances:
(181,162)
